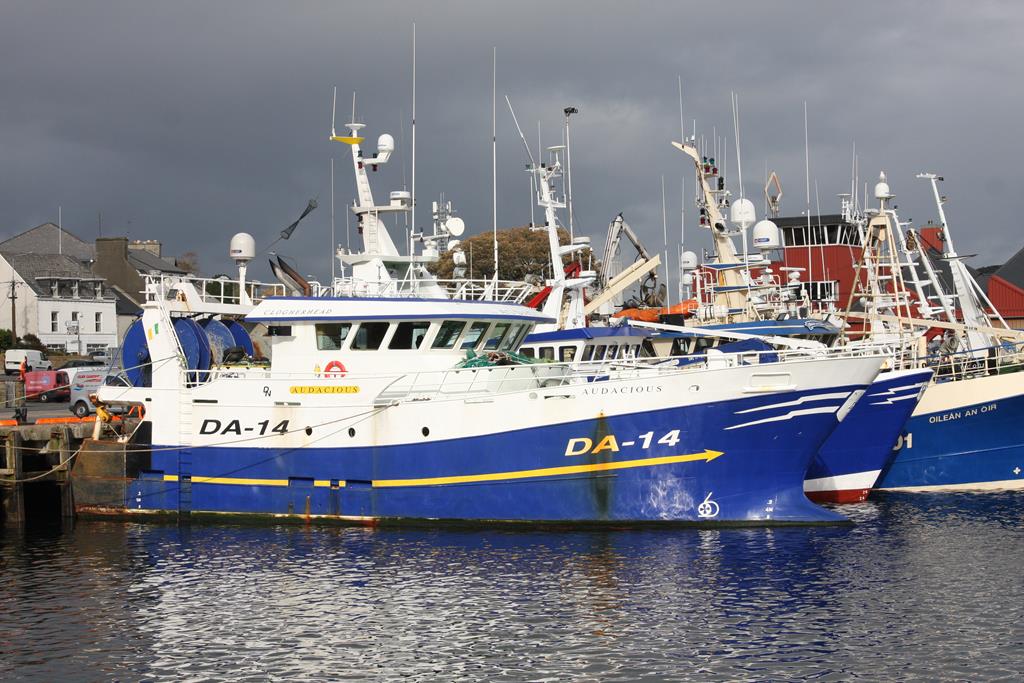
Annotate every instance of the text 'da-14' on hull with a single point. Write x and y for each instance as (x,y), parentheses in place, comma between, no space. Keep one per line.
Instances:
(713,446)
(850,461)
(963,435)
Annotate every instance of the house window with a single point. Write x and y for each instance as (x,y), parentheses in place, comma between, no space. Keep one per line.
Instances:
(53,321)
(56,348)
(95,347)
(74,316)
(99,321)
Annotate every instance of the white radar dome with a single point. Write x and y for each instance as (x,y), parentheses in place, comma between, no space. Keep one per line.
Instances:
(882,187)
(385,143)
(242,247)
(767,235)
(689,260)
(743,213)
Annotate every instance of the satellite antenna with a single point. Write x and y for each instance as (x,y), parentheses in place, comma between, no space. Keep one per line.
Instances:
(242,249)
(455,226)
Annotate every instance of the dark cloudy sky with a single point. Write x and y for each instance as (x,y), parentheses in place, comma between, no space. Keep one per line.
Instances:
(188,121)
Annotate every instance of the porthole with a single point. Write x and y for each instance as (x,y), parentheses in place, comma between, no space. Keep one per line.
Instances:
(351,431)
(426,431)
(309,431)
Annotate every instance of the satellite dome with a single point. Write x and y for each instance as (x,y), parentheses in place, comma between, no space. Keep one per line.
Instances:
(882,188)
(242,247)
(767,235)
(743,213)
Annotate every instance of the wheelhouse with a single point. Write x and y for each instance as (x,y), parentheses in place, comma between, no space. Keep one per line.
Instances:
(379,334)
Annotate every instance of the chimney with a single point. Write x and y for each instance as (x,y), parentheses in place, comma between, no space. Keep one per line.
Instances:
(152,246)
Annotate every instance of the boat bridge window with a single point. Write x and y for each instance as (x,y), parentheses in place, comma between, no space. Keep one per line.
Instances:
(546,353)
(409,334)
(279,331)
(331,336)
(497,335)
(599,351)
(528,352)
(566,353)
(368,336)
(447,334)
(512,339)
(588,353)
(476,330)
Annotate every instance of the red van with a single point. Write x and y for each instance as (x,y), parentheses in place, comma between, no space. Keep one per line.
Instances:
(47,385)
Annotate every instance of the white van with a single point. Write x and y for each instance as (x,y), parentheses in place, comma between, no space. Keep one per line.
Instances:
(35,360)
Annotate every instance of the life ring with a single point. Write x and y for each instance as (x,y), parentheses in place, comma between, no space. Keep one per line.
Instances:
(335,369)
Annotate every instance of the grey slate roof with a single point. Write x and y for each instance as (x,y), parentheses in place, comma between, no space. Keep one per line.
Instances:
(123,304)
(32,266)
(144,262)
(46,239)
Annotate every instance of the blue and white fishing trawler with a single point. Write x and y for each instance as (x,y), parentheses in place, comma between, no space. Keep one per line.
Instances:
(363,413)
(393,405)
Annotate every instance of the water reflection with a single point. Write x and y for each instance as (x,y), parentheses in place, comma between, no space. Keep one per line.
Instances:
(921,586)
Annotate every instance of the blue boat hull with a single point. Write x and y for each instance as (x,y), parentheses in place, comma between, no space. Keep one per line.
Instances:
(852,458)
(740,461)
(969,444)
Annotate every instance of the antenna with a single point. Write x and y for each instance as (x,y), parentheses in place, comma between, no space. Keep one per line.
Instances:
(412,189)
(494,162)
(60,232)
(664,232)
(682,128)
(334,106)
(334,244)
(736,132)
(807,177)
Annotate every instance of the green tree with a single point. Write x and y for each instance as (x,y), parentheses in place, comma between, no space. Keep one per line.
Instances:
(522,252)
(6,341)
(31,341)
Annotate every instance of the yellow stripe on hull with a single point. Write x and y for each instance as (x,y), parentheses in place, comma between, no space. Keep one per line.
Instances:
(238,481)
(707,456)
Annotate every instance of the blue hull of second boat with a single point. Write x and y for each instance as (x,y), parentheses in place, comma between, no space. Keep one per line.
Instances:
(849,462)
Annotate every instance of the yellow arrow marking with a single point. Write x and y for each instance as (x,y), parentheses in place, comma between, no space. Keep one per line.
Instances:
(707,456)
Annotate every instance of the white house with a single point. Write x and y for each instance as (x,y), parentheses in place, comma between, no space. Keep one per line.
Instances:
(58,299)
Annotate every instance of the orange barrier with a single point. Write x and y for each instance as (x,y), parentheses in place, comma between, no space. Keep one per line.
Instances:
(57,420)
(651,315)
(8,423)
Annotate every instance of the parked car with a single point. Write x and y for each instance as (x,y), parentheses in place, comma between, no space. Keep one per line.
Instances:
(47,385)
(35,360)
(87,383)
(103,356)
(77,365)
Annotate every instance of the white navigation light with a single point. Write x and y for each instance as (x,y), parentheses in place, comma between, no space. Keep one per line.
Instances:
(882,188)
(242,247)
(767,235)
(689,260)
(455,226)
(743,213)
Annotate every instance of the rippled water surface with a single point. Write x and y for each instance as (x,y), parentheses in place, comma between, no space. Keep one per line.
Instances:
(922,587)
